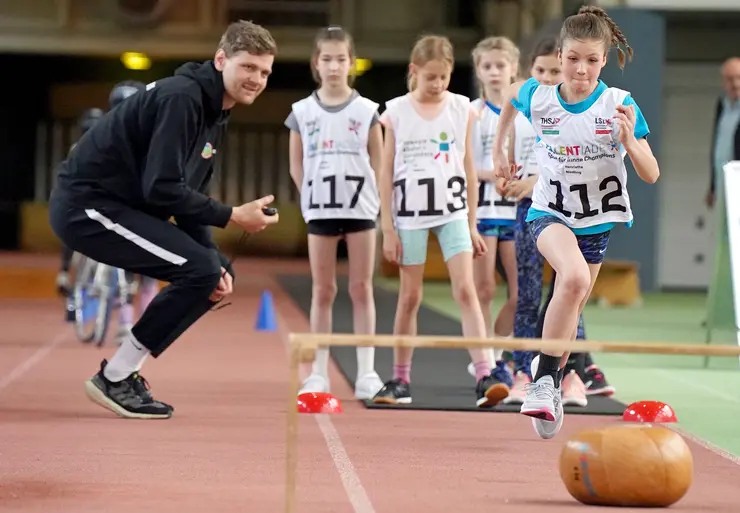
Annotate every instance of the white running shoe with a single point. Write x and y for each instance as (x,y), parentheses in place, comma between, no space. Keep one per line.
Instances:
(367,386)
(315,384)
(544,403)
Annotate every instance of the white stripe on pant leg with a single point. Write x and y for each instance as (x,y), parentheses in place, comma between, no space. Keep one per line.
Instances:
(144,244)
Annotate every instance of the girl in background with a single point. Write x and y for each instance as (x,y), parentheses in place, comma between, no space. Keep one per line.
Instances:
(496,61)
(428,182)
(335,146)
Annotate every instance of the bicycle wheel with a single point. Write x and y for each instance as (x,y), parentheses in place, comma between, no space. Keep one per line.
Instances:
(106,283)
(85,299)
(92,301)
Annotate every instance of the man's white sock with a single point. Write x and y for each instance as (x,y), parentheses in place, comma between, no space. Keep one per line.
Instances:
(128,359)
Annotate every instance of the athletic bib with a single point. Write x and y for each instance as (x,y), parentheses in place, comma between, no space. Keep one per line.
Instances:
(583,179)
(491,205)
(428,174)
(525,139)
(338,181)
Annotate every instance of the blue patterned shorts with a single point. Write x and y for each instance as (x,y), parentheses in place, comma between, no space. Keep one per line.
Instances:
(592,246)
(504,233)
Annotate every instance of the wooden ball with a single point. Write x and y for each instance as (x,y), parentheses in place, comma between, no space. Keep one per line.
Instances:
(627,465)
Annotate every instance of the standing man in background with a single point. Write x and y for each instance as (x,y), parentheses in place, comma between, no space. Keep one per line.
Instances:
(725,148)
(725,136)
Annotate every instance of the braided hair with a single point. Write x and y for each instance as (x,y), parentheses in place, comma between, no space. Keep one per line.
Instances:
(593,22)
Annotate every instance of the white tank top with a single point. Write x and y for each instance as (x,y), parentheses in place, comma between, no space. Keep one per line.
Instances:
(524,140)
(338,181)
(428,171)
(583,179)
(491,205)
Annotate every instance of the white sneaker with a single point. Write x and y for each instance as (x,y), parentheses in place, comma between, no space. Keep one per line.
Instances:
(544,403)
(315,384)
(367,386)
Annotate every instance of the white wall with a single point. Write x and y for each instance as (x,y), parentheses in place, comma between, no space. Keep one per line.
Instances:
(686,245)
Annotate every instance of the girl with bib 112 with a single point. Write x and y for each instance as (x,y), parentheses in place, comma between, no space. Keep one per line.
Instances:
(335,146)
(582,376)
(428,183)
(584,130)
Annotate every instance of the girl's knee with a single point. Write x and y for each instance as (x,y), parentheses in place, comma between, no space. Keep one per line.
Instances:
(409,301)
(324,293)
(574,283)
(465,294)
(485,290)
(361,292)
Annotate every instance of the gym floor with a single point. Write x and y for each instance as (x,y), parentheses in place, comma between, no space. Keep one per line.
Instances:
(224,450)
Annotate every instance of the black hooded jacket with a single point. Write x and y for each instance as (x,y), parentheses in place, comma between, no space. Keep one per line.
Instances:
(154,153)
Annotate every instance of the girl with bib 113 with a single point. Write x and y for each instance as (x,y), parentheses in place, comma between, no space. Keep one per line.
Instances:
(428,183)
(335,146)
(584,130)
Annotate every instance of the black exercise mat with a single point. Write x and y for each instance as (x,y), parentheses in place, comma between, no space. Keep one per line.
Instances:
(439,377)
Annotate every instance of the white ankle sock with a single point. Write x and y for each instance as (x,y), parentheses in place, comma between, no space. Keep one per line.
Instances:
(321,363)
(128,359)
(365,361)
(498,354)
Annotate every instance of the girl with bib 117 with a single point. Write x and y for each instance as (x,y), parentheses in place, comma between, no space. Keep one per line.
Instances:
(335,146)
(428,183)
(584,129)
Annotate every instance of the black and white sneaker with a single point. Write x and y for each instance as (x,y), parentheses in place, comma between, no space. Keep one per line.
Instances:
(395,391)
(495,387)
(596,383)
(129,398)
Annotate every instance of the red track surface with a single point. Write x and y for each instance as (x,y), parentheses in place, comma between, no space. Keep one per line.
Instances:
(224,448)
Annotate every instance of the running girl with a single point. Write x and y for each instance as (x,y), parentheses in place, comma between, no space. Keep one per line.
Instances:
(545,68)
(428,182)
(496,60)
(585,129)
(335,147)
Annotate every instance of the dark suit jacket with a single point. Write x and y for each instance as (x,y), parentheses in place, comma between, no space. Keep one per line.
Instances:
(736,153)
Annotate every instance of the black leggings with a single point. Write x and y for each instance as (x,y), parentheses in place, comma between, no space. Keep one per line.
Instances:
(128,239)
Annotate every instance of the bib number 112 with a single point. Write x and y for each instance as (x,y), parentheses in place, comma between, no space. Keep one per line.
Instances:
(586,208)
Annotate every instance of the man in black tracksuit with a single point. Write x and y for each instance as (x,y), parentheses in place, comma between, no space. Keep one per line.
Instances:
(145,162)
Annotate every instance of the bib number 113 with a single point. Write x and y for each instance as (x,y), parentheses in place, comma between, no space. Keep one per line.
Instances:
(456,184)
